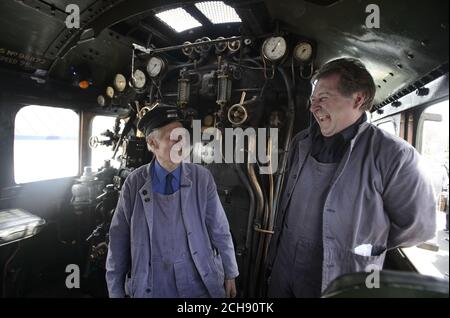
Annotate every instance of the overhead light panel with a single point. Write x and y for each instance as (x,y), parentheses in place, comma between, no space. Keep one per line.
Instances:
(218,12)
(178,19)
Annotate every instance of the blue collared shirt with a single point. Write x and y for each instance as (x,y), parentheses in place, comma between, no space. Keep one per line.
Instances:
(159,178)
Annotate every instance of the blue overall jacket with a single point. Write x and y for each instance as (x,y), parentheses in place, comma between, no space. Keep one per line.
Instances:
(128,264)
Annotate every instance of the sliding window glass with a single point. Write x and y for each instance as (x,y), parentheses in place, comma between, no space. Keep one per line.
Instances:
(45,143)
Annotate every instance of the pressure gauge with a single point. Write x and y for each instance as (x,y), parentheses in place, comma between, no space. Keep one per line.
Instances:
(220,46)
(155,66)
(187,50)
(234,45)
(303,51)
(138,79)
(110,92)
(120,82)
(274,48)
(101,100)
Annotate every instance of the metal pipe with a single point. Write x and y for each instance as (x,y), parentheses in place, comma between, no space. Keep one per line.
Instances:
(181,46)
(258,217)
(265,230)
(251,214)
(291,116)
(269,227)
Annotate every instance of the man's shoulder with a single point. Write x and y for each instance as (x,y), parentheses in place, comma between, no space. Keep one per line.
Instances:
(196,169)
(299,137)
(302,134)
(138,175)
(387,141)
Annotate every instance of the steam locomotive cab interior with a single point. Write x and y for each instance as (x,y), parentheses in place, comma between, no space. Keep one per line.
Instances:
(72,94)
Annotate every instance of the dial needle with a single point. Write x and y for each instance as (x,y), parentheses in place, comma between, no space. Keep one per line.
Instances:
(278,43)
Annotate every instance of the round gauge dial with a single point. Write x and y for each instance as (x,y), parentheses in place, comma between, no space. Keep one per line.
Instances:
(139,79)
(120,82)
(155,66)
(274,48)
(303,51)
(220,46)
(187,50)
(110,92)
(101,100)
(234,45)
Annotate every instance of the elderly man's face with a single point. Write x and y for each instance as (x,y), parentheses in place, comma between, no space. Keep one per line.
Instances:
(161,144)
(333,111)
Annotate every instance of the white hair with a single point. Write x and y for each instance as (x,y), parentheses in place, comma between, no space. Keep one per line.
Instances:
(153,135)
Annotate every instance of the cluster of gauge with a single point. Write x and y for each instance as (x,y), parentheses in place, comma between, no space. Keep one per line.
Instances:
(275,48)
(155,67)
(203,45)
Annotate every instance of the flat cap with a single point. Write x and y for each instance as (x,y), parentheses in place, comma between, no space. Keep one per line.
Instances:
(159,116)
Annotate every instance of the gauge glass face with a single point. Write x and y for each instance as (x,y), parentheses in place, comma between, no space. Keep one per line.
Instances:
(274,48)
(221,46)
(120,82)
(101,100)
(155,66)
(187,50)
(234,45)
(139,79)
(110,92)
(303,51)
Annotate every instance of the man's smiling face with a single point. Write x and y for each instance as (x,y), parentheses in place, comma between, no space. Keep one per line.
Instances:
(333,111)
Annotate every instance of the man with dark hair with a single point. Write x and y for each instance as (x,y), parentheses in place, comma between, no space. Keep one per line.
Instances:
(169,235)
(352,191)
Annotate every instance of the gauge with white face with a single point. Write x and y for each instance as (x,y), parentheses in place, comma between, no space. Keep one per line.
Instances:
(155,66)
(101,100)
(139,79)
(303,51)
(187,50)
(110,92)
(120,82)
(274,48)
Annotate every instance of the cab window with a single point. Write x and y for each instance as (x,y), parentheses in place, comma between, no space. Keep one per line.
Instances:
(101,146)
(45,143)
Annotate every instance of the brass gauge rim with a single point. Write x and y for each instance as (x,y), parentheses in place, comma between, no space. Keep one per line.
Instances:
(219,44)
(298,46)
(230,45)
(264,47)
(187,50)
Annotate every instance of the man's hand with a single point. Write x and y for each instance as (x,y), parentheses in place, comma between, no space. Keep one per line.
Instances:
(230,288)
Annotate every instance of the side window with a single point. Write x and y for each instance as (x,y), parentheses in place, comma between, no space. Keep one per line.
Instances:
(102,148)
(45,143)
(388,126)
(432,142)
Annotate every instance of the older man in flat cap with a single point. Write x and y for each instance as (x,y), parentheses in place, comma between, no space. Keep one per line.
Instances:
(169,236)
